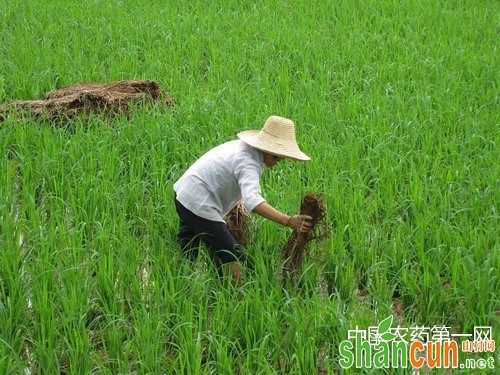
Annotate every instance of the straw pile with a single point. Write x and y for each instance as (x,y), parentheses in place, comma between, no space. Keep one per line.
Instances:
(89,98)
(297,245)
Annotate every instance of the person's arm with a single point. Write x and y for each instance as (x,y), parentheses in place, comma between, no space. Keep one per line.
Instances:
(300,223)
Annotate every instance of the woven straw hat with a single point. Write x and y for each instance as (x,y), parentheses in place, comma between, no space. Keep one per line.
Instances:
(277,137)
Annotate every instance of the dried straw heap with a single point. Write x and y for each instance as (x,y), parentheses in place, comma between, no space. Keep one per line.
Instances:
(89,98)
(297,245)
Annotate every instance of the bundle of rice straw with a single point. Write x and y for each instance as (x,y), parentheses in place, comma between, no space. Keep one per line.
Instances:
(237,224)
(297,245)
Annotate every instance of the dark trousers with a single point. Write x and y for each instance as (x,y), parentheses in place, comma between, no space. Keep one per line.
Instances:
(194,229)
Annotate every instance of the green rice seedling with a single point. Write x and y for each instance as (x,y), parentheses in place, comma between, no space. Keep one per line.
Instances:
(74,310)
(13,289)
(45,335)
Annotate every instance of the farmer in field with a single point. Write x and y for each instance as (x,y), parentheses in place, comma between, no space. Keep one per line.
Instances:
(229,173)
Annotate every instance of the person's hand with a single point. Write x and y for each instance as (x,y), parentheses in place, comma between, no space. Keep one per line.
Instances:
(300,223)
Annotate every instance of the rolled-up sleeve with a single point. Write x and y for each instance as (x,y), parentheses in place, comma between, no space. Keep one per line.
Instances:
(248,177)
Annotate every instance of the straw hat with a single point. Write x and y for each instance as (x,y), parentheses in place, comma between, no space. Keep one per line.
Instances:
(277,137)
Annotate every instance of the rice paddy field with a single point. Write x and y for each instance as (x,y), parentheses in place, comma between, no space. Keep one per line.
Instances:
(396,102)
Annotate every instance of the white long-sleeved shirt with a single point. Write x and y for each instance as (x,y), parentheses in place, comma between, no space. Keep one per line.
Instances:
(220,178)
